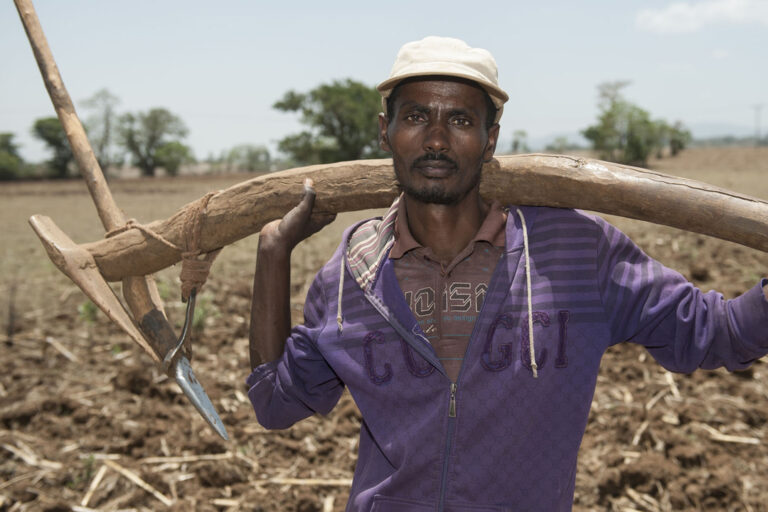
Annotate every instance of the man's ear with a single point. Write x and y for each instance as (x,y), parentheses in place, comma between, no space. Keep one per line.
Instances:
(490,146)
(383,138)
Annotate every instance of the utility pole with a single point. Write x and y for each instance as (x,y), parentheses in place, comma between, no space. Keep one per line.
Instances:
(758,111)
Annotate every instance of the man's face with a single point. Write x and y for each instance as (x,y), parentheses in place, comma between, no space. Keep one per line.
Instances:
(438,139)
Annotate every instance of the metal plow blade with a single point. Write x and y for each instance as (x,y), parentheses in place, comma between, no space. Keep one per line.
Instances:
(188,383)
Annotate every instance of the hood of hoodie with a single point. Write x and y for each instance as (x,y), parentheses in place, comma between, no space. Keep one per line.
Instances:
(368,246)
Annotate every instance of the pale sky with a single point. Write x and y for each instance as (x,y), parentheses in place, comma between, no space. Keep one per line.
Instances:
(221,65)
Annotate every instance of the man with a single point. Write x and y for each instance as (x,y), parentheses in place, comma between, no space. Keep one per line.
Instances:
(468,334)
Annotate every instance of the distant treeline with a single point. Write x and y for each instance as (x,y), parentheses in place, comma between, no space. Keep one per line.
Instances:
(148,139)
(730,141)
(339,122)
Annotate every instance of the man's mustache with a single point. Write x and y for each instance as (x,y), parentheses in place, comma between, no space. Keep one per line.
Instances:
(435,157)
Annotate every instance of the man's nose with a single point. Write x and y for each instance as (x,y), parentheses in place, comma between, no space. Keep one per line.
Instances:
(436,139)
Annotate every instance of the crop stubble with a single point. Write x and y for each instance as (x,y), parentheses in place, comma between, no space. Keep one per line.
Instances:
(85,419)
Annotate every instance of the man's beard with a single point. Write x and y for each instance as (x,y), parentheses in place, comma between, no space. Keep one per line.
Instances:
(436,193)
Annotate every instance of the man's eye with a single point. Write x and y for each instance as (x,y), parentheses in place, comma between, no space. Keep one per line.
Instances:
(414,117)
(461,121)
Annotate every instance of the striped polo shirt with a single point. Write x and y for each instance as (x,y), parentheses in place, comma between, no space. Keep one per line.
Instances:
(446,299)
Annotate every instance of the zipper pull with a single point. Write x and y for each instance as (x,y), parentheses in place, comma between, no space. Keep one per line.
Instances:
(452,403)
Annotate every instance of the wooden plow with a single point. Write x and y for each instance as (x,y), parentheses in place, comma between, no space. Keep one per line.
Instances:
(134,252)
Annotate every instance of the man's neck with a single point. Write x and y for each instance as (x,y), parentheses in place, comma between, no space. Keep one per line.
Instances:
(446,229)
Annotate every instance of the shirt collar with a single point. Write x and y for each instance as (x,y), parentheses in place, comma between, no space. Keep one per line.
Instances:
(491,230)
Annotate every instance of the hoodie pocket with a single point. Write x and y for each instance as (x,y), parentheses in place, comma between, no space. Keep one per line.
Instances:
(390,504)
(453,506)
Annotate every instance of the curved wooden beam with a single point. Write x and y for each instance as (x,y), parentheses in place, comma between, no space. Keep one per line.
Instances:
(541,180)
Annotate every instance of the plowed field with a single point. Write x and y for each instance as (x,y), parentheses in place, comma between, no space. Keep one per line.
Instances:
(88,423)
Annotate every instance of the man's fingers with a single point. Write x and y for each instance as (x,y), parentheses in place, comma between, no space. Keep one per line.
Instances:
(304,208)
(318,221)
(309,186)
(299,223)
(298,216)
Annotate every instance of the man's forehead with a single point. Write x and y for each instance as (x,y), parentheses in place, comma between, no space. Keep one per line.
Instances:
(437,79)
(458,90)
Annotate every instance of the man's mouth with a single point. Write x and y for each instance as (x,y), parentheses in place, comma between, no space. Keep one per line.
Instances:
(440,167)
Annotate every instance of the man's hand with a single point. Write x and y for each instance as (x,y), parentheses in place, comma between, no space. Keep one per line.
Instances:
(298,224)
(270,302)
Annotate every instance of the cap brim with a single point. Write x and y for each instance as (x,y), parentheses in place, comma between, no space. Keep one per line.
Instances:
(498,96)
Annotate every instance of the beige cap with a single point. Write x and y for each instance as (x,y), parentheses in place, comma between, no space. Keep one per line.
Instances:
(445,56)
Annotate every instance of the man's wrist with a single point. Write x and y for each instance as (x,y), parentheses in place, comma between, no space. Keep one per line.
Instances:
(274,246)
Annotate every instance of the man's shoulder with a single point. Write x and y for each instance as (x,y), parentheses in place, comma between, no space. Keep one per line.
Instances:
(549,218)
(562,228)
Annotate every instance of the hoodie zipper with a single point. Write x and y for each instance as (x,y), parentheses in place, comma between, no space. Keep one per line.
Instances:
(448,442)
(454,387)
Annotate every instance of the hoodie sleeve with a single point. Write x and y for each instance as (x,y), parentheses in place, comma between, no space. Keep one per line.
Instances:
(299,383)
(682,327)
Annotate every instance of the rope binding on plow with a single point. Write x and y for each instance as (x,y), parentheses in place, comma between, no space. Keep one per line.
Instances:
(194,270)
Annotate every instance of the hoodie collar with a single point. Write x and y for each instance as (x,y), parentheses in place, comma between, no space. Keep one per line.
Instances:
(369,243)
(368,246)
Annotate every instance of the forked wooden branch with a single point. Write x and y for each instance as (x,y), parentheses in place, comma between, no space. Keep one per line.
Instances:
(141,294)
(544,180)
(154,333)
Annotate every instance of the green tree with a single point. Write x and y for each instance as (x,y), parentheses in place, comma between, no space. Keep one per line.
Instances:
(663,131)
(50,131)
(101,127)
(519,144)
(341,123)
(172,155)
(248,157)
(11,163)
(624,132)
(560,145)
(141,135)
(679,138)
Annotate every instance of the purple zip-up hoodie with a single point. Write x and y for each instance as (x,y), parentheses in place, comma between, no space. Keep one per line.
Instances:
(497,439)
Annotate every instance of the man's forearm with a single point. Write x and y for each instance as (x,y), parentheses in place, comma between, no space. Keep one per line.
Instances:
(270,305)
(271,300)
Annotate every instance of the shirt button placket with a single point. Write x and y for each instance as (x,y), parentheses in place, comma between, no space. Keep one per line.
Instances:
(442,305)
